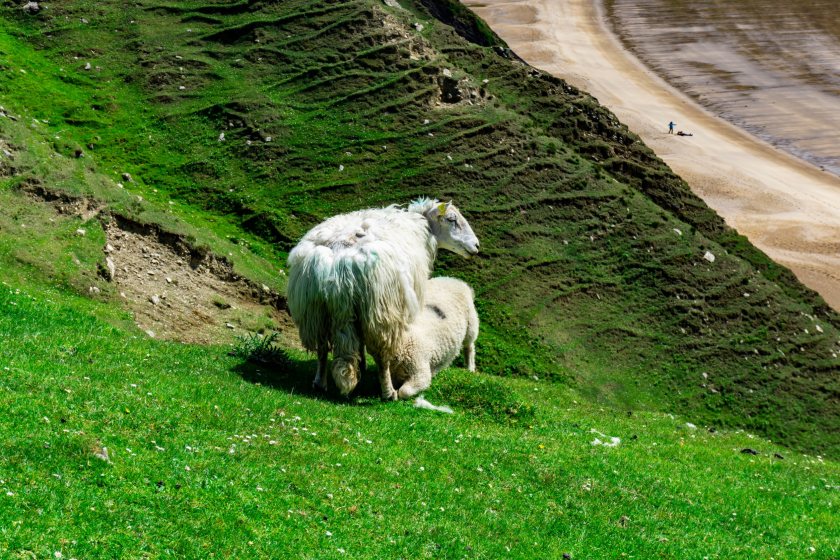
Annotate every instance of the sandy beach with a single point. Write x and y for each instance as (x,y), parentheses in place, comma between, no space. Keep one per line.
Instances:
(785,206)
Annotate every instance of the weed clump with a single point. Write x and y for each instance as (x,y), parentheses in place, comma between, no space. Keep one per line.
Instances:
(261,349)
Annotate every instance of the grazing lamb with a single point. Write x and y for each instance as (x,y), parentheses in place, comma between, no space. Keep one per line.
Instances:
(447,324)
(359,278)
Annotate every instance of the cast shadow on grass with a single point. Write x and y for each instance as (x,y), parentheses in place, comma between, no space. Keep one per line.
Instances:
(485,397)
(266,363)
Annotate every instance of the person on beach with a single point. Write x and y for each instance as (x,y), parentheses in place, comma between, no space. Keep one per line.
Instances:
(671,126)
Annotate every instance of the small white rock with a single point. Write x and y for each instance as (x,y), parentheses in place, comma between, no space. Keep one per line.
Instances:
(709,256)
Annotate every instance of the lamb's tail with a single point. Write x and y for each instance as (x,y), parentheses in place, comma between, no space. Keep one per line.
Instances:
(421,402)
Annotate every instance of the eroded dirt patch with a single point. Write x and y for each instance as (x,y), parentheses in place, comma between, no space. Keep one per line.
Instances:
(64,203)
(7,159)
(176,291)
(182,293)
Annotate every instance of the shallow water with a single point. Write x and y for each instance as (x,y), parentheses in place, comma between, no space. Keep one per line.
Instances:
(771,67)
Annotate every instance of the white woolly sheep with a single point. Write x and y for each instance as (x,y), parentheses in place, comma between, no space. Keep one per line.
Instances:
(447,324)
(359,278)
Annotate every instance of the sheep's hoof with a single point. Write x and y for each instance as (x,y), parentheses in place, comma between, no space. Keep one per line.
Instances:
(392,396)
(319,384)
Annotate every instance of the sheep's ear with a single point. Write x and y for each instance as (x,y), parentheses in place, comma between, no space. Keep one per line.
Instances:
(441,209)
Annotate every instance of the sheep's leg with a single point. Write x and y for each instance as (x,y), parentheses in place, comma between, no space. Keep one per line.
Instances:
(362,360)
(388,392)
(419,380)
(321,381)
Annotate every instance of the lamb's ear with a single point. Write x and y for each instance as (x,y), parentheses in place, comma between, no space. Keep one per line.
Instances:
(441,208)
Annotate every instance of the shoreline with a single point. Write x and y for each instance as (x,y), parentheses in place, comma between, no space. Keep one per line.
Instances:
(787,207)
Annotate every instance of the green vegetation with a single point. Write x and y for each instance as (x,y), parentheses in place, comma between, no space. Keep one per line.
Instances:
(242,124)
(114,445)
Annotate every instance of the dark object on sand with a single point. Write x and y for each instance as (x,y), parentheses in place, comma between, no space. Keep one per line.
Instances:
(681,133)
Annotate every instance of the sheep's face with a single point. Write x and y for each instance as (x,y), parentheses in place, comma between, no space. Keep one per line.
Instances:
(346,375)
(451,230)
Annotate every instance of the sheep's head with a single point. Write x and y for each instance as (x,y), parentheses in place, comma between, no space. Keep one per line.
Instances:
(451,229)
(346,375)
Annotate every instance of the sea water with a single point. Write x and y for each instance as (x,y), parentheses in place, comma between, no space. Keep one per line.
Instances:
(771,67)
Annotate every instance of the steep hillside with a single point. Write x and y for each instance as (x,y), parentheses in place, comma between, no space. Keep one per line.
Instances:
(258,119)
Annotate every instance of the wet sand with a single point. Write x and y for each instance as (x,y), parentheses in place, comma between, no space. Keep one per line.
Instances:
(771,67)
(785,206)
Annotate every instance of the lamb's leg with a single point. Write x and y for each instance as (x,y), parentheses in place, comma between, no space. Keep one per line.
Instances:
(472,335)
(469,353)
(321,377)
(419,379)
(388,392)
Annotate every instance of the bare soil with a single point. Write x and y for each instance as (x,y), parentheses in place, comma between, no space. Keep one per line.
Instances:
(176,291)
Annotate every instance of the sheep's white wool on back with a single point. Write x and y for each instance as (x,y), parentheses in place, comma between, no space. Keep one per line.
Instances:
(368,266)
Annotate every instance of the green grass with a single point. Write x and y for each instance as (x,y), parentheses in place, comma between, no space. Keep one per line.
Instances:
(213,456)
(582,277)
(598,309)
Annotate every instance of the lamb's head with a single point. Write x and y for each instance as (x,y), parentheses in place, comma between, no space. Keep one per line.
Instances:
(346,374)
(451,229)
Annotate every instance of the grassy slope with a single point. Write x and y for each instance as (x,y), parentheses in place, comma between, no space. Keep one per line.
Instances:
(583,277)
(206,462)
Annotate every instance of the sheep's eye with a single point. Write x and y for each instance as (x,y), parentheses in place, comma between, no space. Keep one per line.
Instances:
(452,219)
